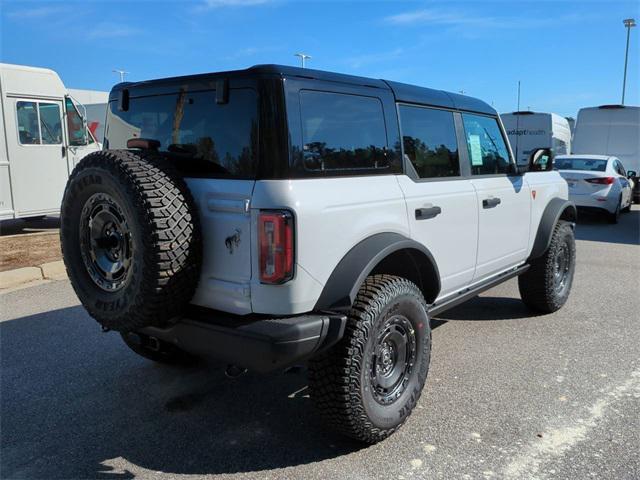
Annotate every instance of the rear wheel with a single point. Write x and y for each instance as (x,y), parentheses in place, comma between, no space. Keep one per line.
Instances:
(628,207)
(545,287)
(368,384)
(614,217)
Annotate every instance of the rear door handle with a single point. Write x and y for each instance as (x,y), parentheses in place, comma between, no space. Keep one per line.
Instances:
(490,202)
(426,213)
(64,151)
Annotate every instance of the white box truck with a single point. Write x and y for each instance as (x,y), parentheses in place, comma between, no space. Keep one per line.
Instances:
(612,130)
(43,134)
(530,130)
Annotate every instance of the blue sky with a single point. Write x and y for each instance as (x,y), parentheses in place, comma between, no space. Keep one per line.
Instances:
(567,54)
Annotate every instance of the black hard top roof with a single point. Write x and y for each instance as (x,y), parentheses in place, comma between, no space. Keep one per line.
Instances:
(402,92)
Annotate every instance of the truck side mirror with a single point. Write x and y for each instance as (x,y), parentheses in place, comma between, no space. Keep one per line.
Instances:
(541,160)
(631,174)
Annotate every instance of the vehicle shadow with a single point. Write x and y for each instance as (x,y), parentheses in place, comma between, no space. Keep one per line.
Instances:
(594,227)
(488,308)
(36,225)
(77,403)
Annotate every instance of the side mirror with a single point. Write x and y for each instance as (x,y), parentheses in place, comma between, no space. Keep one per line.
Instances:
(631,174)
(541,160)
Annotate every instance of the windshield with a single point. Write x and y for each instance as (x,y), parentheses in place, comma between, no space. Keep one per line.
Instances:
(78,134)
(588,164)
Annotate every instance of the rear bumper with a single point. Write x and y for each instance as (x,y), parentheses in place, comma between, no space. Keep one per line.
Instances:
(257,343)
(591,201)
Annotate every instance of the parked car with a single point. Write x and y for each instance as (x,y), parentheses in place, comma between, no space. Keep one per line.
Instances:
(275,215)
(597,182)
(612,130)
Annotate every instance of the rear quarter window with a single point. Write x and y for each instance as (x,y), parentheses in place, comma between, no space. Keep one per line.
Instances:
(202,137)
(343,134)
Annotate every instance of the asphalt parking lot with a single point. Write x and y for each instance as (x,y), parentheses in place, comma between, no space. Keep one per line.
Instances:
(509,395)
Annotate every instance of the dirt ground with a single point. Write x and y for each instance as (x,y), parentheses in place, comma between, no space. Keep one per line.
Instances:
(27,244)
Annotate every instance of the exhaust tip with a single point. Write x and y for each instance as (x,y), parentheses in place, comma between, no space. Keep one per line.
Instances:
(234,371)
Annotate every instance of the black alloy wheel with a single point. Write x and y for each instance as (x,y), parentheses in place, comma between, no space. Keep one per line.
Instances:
(105,242)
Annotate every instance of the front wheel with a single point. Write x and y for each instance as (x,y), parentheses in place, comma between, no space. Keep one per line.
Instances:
(545,287)
(367,385)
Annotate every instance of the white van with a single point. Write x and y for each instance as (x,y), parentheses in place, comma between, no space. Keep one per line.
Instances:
(43,134)
(612,130)
(530,130)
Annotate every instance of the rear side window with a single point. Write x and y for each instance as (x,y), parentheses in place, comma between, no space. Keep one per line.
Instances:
(429,141)
(202,137)
(488,151)
(343,133)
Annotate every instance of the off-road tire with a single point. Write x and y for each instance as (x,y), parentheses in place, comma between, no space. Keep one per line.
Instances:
(538,286)
(157,350)
(164,239)
(339,379)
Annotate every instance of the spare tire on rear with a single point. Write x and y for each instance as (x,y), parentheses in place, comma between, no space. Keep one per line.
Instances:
(131,239)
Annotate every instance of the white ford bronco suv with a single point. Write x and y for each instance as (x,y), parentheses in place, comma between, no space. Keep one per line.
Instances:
(276,215)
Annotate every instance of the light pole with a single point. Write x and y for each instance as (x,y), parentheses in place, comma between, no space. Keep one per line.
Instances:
(122,74)
(628,22)
(303,58)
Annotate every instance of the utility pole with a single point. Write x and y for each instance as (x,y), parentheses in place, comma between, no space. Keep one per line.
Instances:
(303,58)
(629,23)
(122,74)
(518,125)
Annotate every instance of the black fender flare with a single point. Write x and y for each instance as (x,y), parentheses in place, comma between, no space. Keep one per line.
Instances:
(347,277)
(556,209)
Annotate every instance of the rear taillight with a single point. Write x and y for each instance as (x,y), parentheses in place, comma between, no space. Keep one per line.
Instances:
(601,180)
(276,246)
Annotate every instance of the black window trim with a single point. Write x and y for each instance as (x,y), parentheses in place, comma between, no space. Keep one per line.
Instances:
(347,172)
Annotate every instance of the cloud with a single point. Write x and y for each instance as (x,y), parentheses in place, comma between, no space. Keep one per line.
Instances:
(110,30)
(360,61)
(250,52)
(37,12)
(466,18)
